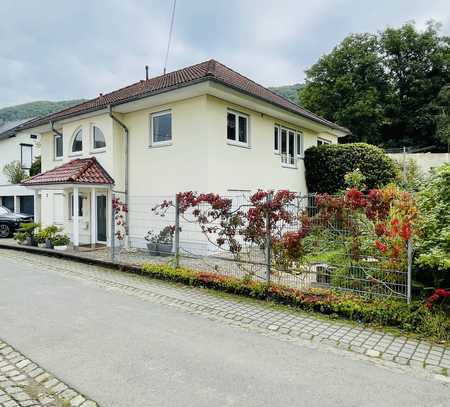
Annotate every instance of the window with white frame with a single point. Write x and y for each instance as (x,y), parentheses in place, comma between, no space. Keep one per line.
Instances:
(161,128)
(58,146)
(80,205)
(289,144)
(26,156)
(98,139)
(276,139)
(77,141)
(237,128)
(322,141)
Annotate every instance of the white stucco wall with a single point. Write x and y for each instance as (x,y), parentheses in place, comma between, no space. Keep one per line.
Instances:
(10,151)
(425,161)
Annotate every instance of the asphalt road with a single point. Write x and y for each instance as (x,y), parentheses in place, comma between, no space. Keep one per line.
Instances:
(123,351)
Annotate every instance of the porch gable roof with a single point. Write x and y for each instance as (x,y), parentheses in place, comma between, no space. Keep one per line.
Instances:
(78,171)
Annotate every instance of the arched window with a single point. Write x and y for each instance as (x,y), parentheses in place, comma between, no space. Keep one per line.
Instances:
(98,138)
(77,144)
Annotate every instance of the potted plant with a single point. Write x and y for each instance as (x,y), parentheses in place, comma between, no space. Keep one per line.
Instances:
(45,236)
(165,241)
(152,243)
(60,242)
(26,234)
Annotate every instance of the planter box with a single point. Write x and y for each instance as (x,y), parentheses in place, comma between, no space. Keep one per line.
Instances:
(165,249)
(153,249)
(48,244)
(31,241)
(60,248)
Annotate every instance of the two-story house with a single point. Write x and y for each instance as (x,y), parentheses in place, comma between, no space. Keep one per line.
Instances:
(204,128)
(22,148)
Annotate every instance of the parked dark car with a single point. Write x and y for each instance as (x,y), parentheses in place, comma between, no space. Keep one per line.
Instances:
(10,221)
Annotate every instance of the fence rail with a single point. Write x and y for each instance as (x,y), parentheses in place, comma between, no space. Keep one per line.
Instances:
(326,258)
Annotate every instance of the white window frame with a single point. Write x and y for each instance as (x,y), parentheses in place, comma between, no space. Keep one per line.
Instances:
(236,141)
(30,147)
(289,163)
(74,135)
(276,151)
(55,137)
(323,141)
(100,149)
(300,137)
(81,208)
(161,143)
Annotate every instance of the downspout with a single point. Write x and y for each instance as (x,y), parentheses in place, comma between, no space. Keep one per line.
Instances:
(125,128)
(54,130)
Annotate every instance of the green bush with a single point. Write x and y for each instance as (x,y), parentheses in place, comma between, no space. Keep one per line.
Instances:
(327,165)
(433,244)
(415,317)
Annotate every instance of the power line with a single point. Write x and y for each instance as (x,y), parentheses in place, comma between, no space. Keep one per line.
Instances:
(170,35)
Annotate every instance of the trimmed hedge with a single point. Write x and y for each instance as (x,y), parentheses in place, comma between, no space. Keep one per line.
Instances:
(326,166)
(412,318)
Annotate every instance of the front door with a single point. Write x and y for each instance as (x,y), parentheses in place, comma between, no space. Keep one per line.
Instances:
(101,218)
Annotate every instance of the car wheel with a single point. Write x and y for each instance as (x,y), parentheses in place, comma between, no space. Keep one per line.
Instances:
(5,230)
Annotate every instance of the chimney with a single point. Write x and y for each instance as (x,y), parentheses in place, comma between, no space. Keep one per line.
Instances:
(146,72)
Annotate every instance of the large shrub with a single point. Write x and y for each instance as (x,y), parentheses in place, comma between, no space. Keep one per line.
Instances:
(327,165)
(433,244)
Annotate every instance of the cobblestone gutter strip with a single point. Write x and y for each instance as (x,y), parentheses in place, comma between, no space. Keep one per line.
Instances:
(384,348)
(23,383)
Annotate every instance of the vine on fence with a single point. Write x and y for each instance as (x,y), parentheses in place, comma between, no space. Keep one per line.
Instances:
(120,210)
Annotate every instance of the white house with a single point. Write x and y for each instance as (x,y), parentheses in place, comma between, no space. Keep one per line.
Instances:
(24,148)
(204,128)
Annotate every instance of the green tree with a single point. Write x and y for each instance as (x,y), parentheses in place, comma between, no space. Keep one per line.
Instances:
(36,166)
(14,172)
(349,86)
(384,87)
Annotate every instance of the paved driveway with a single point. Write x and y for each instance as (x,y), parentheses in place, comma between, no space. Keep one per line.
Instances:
(123,350)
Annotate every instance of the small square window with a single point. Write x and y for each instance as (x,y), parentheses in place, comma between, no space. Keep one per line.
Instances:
(237,128)
(322,141)
(161,124)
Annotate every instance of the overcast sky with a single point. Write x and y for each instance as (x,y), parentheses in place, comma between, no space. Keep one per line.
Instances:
(62,49)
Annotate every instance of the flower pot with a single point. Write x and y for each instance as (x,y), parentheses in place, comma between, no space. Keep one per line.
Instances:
(60,248)
(153,248)
(48,244)
(41,245)
(30,241)
(165,249)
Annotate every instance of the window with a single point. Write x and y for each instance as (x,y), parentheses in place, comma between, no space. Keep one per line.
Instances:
(161,124)
(237,128)
(80,205)
(300,145)
(288,143)
(77,143)
(58,146)
(98,138)
(322,141)
(33,136)
(26,156)
(276,139)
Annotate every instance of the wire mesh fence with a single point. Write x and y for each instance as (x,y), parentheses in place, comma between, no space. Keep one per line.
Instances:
(252,243)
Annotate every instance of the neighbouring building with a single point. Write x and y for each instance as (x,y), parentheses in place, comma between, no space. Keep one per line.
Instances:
(24,148)
(204,128)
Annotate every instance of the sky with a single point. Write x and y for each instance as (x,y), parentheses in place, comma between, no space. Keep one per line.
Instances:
(62,49)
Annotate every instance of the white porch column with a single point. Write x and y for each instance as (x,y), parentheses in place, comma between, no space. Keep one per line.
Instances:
(76,224)
(16,204)
(37,207)
(93,217)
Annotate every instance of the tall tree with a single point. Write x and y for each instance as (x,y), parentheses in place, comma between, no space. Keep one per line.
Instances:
(384,86)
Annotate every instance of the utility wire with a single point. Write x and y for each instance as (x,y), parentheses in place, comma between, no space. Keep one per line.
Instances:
(170,35)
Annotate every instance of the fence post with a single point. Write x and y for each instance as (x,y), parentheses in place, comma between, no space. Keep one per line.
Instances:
(409,282)
(268,240)
(113,230)
(177,231)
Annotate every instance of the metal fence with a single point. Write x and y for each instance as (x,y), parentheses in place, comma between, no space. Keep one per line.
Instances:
(327,258)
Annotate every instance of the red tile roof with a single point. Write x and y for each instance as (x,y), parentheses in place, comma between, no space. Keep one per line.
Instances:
(79,171)
(208,70)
